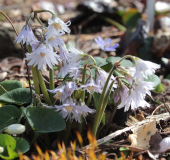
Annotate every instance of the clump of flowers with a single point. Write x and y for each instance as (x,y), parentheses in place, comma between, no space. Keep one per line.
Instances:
(81,75)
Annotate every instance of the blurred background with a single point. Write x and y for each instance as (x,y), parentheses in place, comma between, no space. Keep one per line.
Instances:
(141,27)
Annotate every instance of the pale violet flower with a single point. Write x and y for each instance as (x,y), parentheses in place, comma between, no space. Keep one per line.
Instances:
(144,68)
(64,54)
(55,42)
(62,92)
(57,27)
(59,92)
(136,95)
(83,111)
(106,45)
(75,55)
(120,93)
(69,88)
(130,76)
(26,36)
(64,70)
(15,129)
(75,70)
(68,68)
(67,110)
(42,56)
(91,86)
(102,77)
(59,45)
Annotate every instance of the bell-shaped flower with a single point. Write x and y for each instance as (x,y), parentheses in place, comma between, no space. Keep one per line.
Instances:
(102,77)
(136,96)
(75,70)
(55,42)
(26,36)
(91,86)
(75,55)
(42,56)
(59,92)
(15,129)
(84,110)
(67,109)
(69,88)
(144,68)
(59,45)
(106,45)
(120,93)
(68,68)
(57,27)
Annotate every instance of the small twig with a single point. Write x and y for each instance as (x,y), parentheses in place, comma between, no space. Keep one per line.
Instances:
(165,105)
(23,51)
(3,88)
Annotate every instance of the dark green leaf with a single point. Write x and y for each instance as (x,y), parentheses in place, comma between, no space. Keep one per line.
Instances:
(8,116)
(124,63)
(17,96)
(9,85)
(21,145)
(44,120)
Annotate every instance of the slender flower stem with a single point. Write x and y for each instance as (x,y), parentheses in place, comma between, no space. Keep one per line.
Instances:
(80,126)
(51,75)
(127,56)
(99,112)
(31,15)
(39,21)
(83,82)
(92,59)
(35,79)
(34,73)
(66,135)
(43,88)
(89,100)
(44,10)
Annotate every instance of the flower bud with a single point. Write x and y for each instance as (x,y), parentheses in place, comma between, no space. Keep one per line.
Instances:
(1,149)
(15,129)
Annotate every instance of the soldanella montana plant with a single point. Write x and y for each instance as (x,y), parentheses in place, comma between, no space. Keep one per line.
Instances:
(81,75)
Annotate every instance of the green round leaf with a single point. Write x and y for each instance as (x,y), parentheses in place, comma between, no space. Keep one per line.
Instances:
(12,146)
(17,96)
(154,79)
(9,85)
(8,116)
(124,63)
(21,145)
(8,143)
(99,61)
(44,120)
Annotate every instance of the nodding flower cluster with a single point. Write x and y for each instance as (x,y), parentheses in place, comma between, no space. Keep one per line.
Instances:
(48,49)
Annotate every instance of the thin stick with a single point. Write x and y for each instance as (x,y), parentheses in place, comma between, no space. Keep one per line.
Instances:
(159,107)
(3,88)
(23,51)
